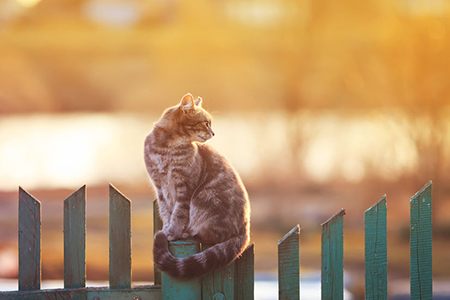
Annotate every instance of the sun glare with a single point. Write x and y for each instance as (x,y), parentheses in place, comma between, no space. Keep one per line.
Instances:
(28,3)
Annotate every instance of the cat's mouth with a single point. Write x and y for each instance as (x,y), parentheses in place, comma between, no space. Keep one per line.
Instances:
(204,138)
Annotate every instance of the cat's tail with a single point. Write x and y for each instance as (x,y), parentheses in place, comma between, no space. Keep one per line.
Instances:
(215,257)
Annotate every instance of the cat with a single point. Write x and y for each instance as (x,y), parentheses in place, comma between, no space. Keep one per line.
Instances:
(200,196)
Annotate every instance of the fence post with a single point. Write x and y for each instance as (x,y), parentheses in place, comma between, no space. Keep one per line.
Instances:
(173,289)
(157,226)
(29,242)
(376,251)
(119,240)
(289,265)
(220,283)
(245,275)
(75,240)
(333,257)
(421,244)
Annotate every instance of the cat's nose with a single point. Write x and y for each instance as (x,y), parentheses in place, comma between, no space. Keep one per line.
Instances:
(212,133)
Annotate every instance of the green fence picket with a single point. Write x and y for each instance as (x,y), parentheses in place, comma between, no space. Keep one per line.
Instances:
(29,242)
(376,251)
(220,283)
(245,273)
(333,257)
(174,289)
(75,239)
(119,240)
(421,244)
(235,281)
(289,265)
(157,226)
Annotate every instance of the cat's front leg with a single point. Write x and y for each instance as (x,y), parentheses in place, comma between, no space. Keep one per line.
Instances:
(178,222)
(164,211)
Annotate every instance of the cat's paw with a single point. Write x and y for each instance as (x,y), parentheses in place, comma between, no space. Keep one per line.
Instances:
(186,235)
(173,234)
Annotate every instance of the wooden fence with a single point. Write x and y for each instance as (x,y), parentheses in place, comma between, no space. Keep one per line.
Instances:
(236,281)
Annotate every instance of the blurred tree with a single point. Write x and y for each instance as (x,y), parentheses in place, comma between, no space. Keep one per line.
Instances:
(417,70)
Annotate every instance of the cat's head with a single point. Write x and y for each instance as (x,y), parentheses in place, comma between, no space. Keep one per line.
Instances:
(189,120)
(195,120)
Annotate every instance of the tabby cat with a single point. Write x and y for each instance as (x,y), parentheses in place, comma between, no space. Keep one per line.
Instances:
(200,196)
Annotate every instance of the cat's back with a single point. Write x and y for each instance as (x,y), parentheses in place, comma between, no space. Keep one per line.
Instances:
(219,171)
(213,158)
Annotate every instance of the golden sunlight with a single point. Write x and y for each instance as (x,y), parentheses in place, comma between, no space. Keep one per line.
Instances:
(28,3)
(67,151)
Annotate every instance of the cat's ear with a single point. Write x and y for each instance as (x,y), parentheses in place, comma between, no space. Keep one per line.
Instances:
(187,102)
(198,102)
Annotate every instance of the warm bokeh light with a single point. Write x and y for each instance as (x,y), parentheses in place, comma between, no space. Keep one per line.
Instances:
(67,151)
(28,3)
(318,104)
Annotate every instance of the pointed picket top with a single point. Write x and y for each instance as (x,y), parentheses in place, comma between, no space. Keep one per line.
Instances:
(113,191)
(75,239)
(119,239)
(377,204)
(425,189)
(292,232)
(421,244)
(376,251)
(29,242)
(289,265)
(334,217)
(333,257)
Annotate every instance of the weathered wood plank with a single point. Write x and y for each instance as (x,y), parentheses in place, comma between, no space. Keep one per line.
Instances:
(29,242)
(289,265)
(333,257)
(376,251)
(220,283)
(119,240)
(245,272)
(421,244)
(177,289)
(157,226)
(149,292)
(75,239)
(144,292)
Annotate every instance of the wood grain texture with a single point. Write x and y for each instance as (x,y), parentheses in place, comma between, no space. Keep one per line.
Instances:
(119,240)
(29,242)
(421,244)
(220,283)
(333,257)
(289,265)
(75,239)
(236,281)
(157,226)
(245,272)
(376,251)
(143,292)
(173,289)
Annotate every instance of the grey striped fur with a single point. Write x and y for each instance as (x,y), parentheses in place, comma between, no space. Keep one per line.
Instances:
(200,195)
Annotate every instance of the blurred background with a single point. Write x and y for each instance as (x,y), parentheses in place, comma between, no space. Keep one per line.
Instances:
(318,104)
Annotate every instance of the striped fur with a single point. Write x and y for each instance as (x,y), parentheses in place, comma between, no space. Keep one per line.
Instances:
(200,195)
